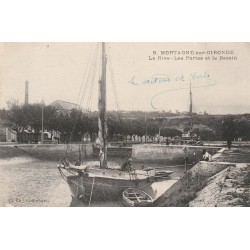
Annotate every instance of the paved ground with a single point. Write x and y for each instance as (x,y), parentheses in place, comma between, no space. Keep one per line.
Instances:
(228,188)
(235,155)
(231,186)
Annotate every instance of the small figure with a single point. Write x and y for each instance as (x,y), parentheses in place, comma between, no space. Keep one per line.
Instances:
(229,143)
(78,163)
(65,161)
(101,157)
(206,156)
(127,166)
(167,141)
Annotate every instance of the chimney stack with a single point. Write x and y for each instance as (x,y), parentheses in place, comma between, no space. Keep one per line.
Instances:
(26,101)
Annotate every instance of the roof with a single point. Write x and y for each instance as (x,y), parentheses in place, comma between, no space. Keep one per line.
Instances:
(64,106)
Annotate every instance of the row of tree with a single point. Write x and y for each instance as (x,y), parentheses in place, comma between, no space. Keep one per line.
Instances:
(73,125)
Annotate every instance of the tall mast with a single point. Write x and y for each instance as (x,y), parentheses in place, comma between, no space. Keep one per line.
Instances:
(191,110)
(102,121)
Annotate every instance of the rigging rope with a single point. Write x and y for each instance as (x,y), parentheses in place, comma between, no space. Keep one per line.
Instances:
(114,85)
(84,93)
(83,90)
(88,84)
(92,84)
(85,73)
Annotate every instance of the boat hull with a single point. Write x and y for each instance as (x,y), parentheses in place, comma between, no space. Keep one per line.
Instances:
(91,189)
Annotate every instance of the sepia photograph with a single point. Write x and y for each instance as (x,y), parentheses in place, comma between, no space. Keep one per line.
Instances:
(124,124)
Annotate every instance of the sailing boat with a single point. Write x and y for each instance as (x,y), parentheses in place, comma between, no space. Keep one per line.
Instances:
(190,137)
(104,182)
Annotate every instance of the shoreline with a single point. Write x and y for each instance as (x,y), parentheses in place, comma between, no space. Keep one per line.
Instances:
(206,181)
(227,176)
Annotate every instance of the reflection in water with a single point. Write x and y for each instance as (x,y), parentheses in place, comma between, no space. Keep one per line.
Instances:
(28,182)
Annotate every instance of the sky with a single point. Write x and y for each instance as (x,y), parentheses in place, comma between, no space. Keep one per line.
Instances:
(143,80)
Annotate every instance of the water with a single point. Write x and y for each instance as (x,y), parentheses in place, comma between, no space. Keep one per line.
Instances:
(28,182)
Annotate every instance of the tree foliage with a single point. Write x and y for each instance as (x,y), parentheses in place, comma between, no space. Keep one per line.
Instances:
(73,125)
(228,128)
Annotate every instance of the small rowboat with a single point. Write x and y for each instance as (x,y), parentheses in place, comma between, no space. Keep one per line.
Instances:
(163,174)
(132,197)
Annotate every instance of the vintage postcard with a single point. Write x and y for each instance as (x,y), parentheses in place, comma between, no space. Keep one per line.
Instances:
(124,124)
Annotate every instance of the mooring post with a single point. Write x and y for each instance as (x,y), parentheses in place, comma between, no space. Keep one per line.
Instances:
(185,164)
(185,159)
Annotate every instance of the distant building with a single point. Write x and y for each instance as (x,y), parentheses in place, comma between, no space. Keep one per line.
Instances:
(7,134)
(11,135)
(32,137)
(65,107)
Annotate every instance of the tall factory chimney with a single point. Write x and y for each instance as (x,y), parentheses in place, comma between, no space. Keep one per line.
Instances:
(26,101)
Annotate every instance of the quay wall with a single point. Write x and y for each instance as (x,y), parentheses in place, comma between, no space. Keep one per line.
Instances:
(189,184)
(145,153)
(8,152)
(228,188)
(55,152)
(124,152)
(224,143)
(169,153)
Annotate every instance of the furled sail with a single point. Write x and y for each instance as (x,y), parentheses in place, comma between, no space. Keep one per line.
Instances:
(102,120)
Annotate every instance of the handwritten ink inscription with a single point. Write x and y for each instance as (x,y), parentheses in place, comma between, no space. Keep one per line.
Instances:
(164,78)
(202,80)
